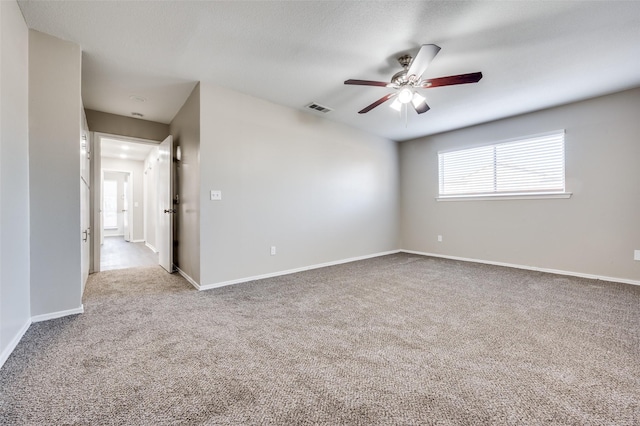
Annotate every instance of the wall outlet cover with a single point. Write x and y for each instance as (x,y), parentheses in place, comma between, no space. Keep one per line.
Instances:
(216,195)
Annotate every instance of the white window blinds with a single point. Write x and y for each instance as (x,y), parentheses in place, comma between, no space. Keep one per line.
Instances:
(529,165)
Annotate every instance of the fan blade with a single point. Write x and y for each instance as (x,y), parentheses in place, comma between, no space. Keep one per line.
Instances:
(376,103)
(419,103)
(473,77)
(422,60)
(367,83)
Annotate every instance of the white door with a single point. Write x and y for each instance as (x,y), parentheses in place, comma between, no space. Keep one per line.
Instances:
(85,196)
(164,230)
(101,204)
(85,200)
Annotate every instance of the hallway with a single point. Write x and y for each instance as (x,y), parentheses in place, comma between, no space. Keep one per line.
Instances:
(116,253)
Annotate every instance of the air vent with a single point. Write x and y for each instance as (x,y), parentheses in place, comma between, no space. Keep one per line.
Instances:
(317,107)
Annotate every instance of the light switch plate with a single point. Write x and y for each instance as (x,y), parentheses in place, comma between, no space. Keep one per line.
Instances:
(216,195)
(636,255)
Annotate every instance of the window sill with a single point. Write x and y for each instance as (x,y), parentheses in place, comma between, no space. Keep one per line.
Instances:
(501,197)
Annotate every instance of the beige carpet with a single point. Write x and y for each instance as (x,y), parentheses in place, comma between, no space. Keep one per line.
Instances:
(400,339)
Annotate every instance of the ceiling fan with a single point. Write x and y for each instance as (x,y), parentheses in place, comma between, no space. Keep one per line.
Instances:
(409,80)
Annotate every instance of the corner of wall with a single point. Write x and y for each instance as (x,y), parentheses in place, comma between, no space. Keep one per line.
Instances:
(14,179)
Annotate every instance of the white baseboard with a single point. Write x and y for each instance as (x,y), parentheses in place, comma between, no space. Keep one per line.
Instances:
(188,278)
(137,241)
(4,356)
(153,249)
(529,268)
(293,271)
(59,314)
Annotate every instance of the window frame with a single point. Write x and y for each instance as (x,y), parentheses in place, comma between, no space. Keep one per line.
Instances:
(515,195)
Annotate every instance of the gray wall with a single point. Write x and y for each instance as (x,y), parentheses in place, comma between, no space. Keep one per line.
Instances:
(14,176)
(593,232)
(113,124)
(54,171)
(137,168)
(185,129)
(317,190)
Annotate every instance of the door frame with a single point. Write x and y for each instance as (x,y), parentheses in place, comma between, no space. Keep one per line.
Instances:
(96,183)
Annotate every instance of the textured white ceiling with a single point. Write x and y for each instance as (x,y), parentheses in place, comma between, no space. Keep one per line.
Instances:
(125,150)
(533,54)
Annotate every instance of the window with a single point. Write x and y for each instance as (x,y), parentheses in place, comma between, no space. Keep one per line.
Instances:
(110,210)
(532,166)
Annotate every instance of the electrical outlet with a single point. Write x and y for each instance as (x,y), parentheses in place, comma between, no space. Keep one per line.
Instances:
(636,255)
(216,195)
(439,238)
(273,250)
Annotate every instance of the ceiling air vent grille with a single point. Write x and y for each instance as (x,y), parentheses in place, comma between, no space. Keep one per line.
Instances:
(319,108)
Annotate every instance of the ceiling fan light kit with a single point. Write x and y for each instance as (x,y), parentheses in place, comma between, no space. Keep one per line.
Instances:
(405,95)
(409,80)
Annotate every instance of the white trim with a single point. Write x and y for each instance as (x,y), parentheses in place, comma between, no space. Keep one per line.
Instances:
(293,271)
(14,342)
(59,314)
(153,249)
(137,241)
(529,268)
(188,278)
(500,197)
(127,138)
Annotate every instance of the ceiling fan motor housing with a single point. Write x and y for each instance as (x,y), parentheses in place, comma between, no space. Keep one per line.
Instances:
(400,78)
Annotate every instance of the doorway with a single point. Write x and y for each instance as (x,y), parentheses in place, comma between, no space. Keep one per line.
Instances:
(127,183)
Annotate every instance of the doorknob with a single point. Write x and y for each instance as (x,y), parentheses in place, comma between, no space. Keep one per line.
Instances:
(170,211)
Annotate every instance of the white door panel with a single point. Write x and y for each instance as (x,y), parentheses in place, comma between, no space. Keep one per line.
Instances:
(164,228)
(85,201)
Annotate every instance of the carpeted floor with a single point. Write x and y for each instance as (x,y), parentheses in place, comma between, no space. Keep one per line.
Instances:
(399,339)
